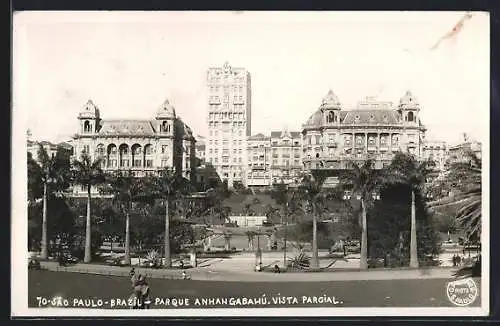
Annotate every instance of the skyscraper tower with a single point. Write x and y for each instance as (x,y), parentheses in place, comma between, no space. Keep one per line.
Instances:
(229,121)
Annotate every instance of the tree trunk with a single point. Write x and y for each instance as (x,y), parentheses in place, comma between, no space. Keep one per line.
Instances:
(168,260)
(88,244)
(315,262)
(363,260)
(127,237)
(44,249)
(413,236)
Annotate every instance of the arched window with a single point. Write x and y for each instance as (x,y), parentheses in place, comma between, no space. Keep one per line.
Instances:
(86,126)
(331,117)
(410,116)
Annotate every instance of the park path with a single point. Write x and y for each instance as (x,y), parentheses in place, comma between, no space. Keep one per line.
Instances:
(213,274)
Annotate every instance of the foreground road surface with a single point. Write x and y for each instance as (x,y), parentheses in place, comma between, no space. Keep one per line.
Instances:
(82,289)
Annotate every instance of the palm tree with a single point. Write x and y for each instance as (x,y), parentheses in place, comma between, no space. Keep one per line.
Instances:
(169,186)
(406,170)
(362,180)
(311,190)
(466,178)
(53,175)
(126,190)
(88,173)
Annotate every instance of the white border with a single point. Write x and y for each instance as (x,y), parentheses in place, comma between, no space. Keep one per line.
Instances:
(19,298)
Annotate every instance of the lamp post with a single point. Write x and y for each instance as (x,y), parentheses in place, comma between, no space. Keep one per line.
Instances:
(285,234)
(364,236)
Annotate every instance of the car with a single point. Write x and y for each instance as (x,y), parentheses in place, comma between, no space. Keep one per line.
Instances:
(116,261)
(34,264)
(67,258)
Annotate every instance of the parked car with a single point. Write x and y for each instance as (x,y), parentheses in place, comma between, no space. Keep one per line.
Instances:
(116,261)
(34,264)
(67,258)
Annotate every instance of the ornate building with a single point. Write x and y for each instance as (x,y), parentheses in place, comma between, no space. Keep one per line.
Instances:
(142,146)
(273,159)
(229,121)
(334,135)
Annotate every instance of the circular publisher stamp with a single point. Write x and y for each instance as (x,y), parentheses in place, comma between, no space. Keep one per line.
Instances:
(462,292)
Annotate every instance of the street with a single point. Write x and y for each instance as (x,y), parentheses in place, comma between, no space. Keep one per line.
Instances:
(84,290)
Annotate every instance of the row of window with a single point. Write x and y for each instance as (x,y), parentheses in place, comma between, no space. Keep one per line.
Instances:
(215,133)
(225,142)
(226,115)
(225,125)
(234,88)
(225,159)
(225,151)
(112,163)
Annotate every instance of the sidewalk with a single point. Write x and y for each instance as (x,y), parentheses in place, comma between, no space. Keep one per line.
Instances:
(207,274)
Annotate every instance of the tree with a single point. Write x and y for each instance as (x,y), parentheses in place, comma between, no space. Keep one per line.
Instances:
(311,191)
(88,173)
(48,175)
(168,186)
(466,178)
(126,190)
(406,170)
(362,180)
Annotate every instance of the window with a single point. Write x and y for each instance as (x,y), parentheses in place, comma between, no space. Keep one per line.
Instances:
(124,163)
(148,150)
(410,116)
(149,163)
(137,163)
(164,163)
(239,159)
(164,149)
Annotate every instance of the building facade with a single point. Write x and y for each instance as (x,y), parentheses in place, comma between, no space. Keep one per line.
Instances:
(286,149)
(140,146)
(229,121)
(274,159)
(437,152)
(459,153)
(258,170)
(334,136)
(33,148)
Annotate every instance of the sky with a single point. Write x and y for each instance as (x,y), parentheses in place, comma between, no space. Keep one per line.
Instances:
(128,63)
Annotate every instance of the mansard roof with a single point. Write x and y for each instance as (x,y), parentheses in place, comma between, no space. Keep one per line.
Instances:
(280,134)
(128,127)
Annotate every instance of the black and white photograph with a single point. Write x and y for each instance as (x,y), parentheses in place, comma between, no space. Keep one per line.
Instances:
(250,163)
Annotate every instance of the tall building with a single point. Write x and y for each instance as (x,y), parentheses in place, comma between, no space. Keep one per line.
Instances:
(141,146)
(229,121)
(334,135)
(274,159)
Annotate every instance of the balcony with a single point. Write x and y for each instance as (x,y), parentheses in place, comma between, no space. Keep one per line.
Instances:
(333,144)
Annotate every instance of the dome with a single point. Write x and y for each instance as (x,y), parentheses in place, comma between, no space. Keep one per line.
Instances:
(330,101)
(408,100)
(89,111)
(315,120)
(166,111)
